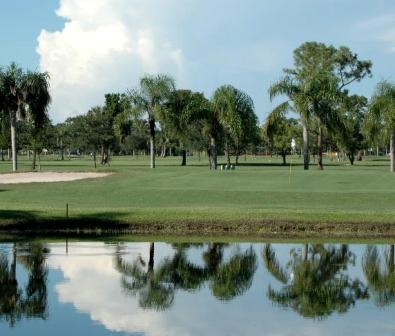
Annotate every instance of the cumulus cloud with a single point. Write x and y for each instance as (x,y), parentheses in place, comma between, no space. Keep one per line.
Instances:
(104,46)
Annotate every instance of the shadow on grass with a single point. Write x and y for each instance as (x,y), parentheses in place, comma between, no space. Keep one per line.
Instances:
(34,223)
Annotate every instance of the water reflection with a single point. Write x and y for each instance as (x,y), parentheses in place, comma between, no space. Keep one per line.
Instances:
(28,301)
(156,286)
(196,289)
(380,274)
(317,284)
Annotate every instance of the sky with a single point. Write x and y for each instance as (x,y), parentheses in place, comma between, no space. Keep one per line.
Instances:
(93,47)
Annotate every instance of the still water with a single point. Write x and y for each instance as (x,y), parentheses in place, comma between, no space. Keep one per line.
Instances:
(101,288)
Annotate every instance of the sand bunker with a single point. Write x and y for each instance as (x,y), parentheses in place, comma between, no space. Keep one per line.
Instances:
(47,177)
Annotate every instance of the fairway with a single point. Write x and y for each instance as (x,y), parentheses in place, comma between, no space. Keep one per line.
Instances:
(260,189)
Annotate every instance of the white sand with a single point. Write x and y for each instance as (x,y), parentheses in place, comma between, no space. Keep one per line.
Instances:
(47,177)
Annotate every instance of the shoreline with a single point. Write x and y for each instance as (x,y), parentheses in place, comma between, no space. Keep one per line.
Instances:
(278,229)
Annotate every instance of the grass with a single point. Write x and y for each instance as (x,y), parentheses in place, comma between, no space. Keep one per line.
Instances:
(259,191)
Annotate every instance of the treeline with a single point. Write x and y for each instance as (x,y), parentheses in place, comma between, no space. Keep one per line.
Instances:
(158,119)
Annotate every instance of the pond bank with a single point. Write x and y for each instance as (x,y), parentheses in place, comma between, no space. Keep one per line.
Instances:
(237,228)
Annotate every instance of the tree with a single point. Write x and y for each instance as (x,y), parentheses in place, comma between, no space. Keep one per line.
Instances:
(350,131)
(26,96)
(115,105)
(148,99)
(234,110)
(280,132)
(179,117)
(316,85)
(380,119)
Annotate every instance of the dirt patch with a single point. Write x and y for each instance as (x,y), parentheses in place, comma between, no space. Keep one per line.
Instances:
(18,178)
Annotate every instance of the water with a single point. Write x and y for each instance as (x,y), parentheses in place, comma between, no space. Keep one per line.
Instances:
(101,288)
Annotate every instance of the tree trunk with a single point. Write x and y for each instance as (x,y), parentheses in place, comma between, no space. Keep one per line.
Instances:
(184,157)
(2,155)
(94,158)
(306,156)
(320,165)
(351,157)
(39,161)
(152,141)
(13,143)
(8,154)
(392,150)
(284,156)
(34,158)
(61,150)
(392,258)
(213,154)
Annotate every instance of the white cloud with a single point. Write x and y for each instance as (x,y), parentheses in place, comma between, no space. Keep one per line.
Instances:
(104,46)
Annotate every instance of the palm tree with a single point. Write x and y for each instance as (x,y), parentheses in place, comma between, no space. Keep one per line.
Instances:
(26,95)
(380,274)
(380,119)
(144,282)
(298,102)
(316,286)
(234,110)
(179,116)
(153,92)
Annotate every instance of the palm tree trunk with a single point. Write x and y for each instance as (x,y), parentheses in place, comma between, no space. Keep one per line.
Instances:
(320,165)
(392,258)
(392,151)
(284,156)
(213,154)
(39,161)
(152,141)
(13,143)
(306,156)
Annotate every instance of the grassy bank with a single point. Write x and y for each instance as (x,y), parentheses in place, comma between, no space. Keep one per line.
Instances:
(260,196)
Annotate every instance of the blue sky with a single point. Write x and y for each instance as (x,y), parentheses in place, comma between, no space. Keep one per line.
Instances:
(92,47)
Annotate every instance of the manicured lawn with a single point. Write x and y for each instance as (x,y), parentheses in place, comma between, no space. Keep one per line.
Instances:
(259,189)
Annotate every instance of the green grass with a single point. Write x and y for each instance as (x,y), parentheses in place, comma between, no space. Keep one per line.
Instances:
(258,190)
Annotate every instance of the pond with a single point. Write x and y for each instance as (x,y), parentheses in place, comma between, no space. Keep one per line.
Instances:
(134,288)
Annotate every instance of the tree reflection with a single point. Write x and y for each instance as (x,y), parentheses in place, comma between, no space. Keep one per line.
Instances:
(140,279)
(380,274)
(232,277)
(28,302)
(157,287)
(314,283)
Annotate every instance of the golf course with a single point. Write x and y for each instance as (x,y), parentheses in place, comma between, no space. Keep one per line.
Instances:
(258,194)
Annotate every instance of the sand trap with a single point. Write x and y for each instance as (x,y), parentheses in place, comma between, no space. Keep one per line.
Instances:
(47,177)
